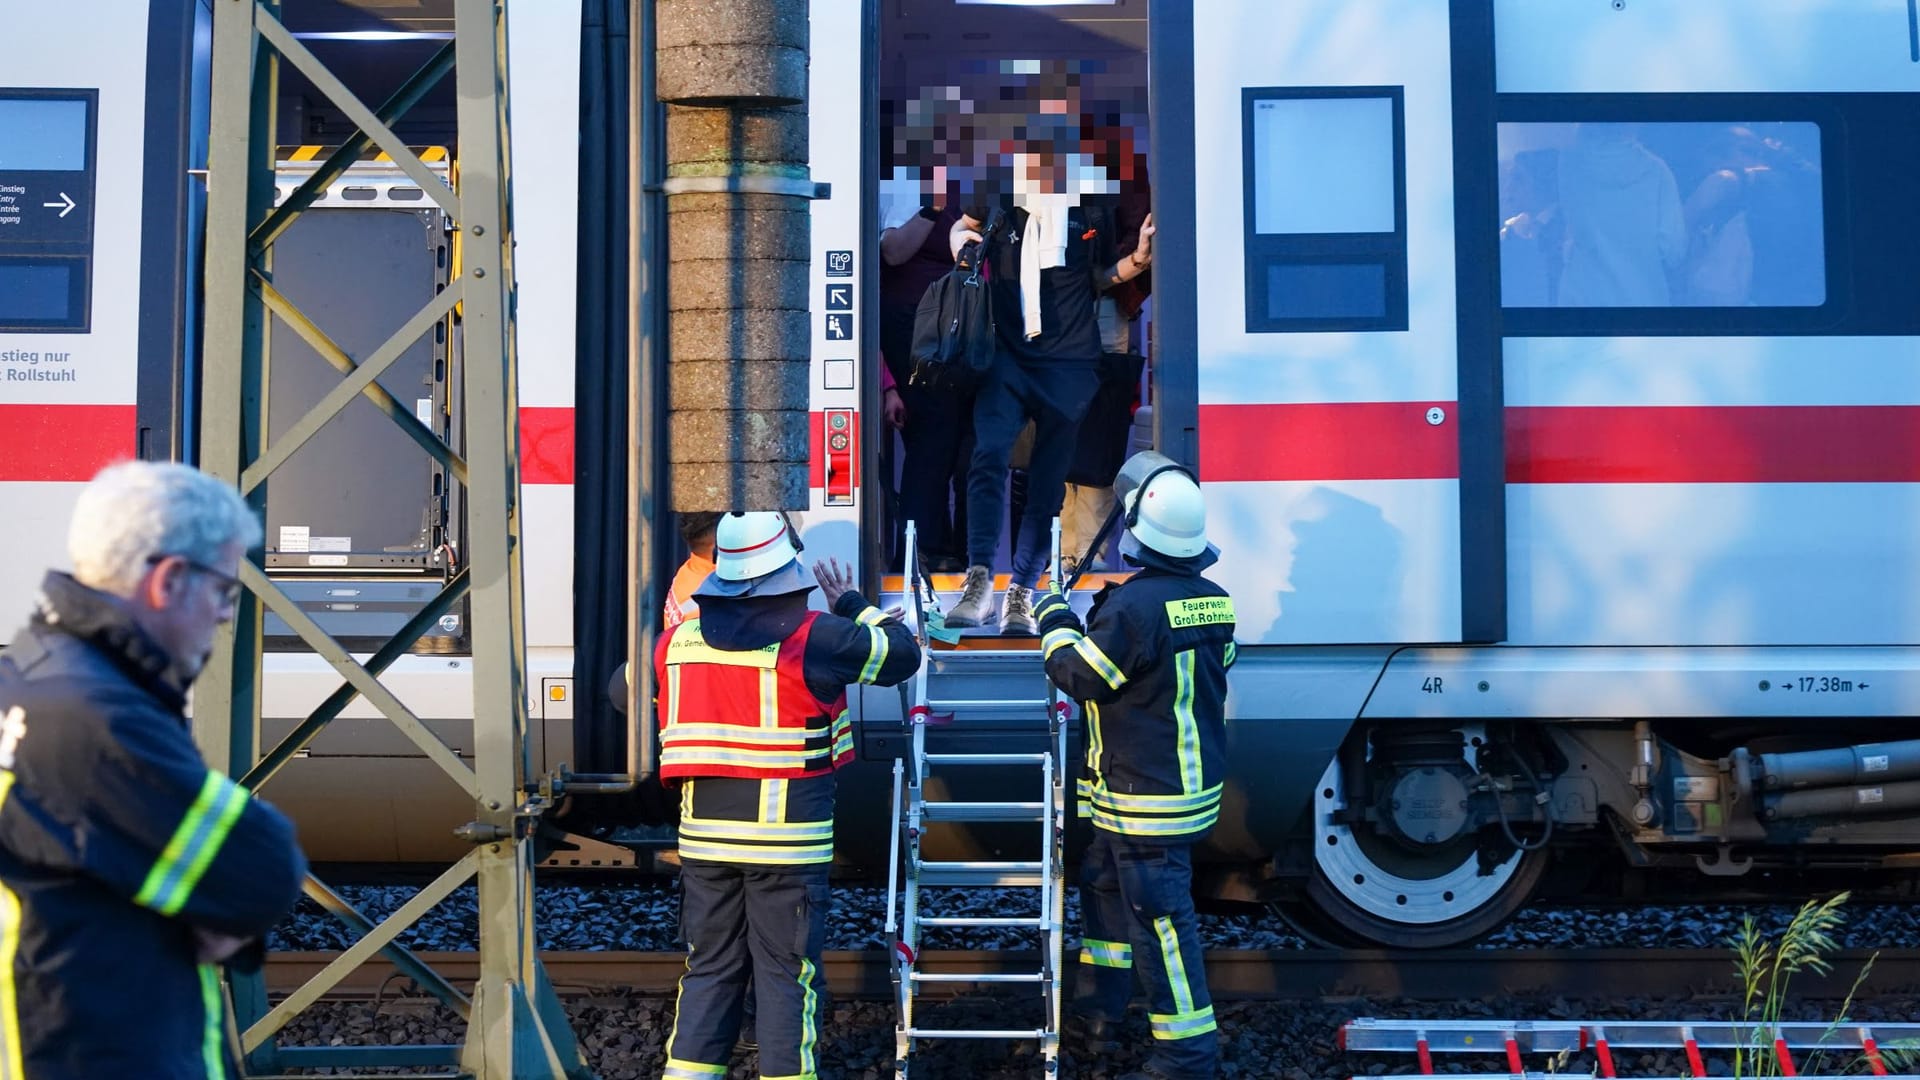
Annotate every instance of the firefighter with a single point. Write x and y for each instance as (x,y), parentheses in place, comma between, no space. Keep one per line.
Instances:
(129,871)
(753,723)
(1150,668)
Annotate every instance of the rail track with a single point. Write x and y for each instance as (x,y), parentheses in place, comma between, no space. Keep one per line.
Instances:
(1245,975)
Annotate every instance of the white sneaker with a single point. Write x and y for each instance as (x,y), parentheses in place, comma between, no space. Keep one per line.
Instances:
(1016,611)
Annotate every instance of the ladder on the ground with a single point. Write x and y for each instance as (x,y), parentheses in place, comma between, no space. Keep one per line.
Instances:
(1871,1044)
(908,873)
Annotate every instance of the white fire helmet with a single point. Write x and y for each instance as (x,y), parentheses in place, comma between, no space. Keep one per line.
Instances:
(1168,514)
(751,544)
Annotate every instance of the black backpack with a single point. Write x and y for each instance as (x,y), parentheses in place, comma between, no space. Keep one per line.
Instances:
(953,326)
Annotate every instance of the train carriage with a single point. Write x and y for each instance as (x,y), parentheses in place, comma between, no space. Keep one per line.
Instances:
(1549,368)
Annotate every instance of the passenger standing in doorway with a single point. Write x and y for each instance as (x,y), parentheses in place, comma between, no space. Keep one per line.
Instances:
(753,723)
(130,872)
(1105,432)
(1150,668)
(937,428)
(1041,266)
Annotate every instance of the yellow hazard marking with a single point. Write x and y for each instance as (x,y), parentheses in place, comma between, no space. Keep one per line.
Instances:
(315,151)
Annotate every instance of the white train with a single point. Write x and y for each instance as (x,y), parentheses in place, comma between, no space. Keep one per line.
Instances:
(1551,369)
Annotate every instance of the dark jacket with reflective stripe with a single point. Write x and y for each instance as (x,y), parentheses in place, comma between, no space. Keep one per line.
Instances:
(116,841)
(784,822)
(1151,670)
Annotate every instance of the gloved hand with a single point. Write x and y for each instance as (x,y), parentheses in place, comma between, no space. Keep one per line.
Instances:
(1054,612)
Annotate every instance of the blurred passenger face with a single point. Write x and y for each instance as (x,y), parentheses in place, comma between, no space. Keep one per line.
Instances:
(181,604)
(1015,130)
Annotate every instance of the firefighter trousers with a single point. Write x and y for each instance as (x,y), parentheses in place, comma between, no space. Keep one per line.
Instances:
(1136,901)
(743,919)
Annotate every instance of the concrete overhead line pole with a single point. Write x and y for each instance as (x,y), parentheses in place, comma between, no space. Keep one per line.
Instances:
(733,75)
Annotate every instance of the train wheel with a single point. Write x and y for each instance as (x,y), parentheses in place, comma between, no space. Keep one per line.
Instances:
(1365,890)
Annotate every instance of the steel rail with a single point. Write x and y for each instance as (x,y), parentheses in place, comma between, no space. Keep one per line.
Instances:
(1232,975)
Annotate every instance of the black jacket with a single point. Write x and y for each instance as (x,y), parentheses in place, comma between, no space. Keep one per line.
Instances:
(116,841)
(1151,670)
(788,822)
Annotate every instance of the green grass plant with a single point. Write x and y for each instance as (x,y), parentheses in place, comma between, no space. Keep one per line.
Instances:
(1766,967)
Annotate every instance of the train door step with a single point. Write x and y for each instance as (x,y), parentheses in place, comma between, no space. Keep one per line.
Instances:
(1516,1038)
(896,590)
(934,700)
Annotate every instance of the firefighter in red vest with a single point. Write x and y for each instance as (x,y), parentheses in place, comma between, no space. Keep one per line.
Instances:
(753,723)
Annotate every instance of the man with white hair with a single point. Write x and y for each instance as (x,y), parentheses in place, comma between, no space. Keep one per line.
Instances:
(128,869)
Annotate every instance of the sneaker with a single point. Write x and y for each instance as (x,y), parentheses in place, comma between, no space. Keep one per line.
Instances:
(1016,611)
(975,595)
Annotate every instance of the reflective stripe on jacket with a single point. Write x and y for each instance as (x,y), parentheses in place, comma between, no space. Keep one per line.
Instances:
(1151,670)
(117,842)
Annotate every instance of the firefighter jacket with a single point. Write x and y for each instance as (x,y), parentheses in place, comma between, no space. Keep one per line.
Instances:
(753,719)
(1151,670)
(116,843)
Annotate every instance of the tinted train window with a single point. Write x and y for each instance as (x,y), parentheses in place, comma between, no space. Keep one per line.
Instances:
(1651,215)
(1326,230)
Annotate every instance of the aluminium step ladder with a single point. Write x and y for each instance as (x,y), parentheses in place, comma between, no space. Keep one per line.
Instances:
(1563,1038)
(908,872)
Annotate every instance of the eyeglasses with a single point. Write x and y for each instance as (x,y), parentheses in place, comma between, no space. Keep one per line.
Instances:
(231,587)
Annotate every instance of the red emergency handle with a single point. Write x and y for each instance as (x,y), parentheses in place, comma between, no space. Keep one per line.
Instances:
(842,447)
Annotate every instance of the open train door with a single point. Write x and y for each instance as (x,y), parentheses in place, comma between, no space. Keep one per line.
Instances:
(1339,385)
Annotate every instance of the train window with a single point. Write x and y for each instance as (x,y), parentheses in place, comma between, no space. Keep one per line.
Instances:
(47,293)
(43,135)
(31,292)
(1325,188)
(1655,215)
(1323,165)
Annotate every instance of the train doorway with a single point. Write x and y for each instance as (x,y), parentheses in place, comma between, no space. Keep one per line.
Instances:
(989,104)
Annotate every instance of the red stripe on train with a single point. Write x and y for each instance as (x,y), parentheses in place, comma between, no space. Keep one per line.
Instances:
(1670,444)
(1713,444)
(1366,440)
(41,443)
(546,446)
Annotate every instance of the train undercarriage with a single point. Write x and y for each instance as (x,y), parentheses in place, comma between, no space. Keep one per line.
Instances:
(1431,835)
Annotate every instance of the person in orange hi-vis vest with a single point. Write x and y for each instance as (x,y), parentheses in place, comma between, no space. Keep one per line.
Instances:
(696,528)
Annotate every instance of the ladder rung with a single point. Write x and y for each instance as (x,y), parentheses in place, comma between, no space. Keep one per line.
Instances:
(982,1033)
(996,977)
(1036,922)
(1000,875)
(986,759)
(956,704)
(983,811)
